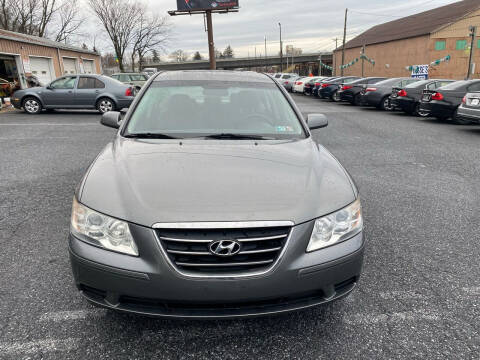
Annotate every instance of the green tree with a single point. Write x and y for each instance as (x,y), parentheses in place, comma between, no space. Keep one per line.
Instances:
(197,56)
(155,56)
(228,52)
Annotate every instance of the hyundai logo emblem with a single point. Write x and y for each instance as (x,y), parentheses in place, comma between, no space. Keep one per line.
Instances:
(225,247)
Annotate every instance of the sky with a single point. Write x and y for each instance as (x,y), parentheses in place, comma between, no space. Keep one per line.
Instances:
(311,25)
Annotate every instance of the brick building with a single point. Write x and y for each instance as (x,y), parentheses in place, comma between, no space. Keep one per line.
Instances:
(418,40)
(23,55)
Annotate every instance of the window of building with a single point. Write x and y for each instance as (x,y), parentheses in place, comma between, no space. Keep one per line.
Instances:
(440,45)
(461,44)
(478,44)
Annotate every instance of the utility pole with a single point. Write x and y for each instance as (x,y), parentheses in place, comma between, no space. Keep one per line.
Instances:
(473,35)
(265,53)
(255,59)
(334,72)
(344,38)
(363,59)
(211,45)
(281,48)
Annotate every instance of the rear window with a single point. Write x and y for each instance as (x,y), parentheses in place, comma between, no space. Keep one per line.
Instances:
(199,108)
(138,77)
(418,84)
(456,85)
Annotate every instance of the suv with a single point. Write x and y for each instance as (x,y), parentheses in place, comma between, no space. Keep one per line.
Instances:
(212,201)
(135,79)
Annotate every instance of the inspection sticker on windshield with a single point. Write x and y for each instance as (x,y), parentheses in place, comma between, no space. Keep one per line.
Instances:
(283,128)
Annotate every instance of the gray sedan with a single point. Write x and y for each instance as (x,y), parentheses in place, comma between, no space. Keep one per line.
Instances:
(470,108)
(214,200)
(76,92)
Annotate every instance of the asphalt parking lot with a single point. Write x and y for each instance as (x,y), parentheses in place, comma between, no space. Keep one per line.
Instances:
(419,296)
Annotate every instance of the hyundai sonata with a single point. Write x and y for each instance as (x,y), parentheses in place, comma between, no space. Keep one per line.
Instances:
(213,200)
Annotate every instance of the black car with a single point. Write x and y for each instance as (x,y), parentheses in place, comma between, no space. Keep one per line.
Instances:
(318,85)
(408,98)
(378,94)
(443,102)
(310,85)
(330,89)
(351,92)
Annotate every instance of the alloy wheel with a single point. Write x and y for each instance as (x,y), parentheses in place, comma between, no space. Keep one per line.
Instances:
(105,106)
(31,106)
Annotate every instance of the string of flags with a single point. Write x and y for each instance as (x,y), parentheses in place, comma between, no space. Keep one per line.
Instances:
(326,66)
(351,63)
(416,68)
(365,57)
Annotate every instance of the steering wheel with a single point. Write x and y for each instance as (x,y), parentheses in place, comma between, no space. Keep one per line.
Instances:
(264,120)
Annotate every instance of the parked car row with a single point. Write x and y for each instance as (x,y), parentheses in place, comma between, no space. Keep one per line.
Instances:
(444,99)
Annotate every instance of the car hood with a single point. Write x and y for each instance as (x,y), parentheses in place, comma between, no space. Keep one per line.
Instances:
(151,181)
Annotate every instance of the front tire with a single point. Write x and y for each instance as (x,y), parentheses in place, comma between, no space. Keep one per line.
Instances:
(335,97)
(420,112)
(105,105)
(357,100)
(385,104)
(32,105)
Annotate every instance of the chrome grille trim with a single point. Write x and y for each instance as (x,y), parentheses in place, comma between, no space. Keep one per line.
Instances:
(183,268)
(263,238)
(229,264)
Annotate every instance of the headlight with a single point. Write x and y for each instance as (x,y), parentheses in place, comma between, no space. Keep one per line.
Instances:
(336,227)
(102,230)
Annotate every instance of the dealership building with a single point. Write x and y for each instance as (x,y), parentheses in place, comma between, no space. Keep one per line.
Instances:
(23,56)
(438,38)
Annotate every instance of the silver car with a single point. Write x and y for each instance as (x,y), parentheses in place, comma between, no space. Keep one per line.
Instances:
(469,110)
(214,200)
(76,92)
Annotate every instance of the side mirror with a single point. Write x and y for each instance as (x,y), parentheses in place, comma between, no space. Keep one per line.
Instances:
(111,119)
(316,121)
(49,87)
(123,111)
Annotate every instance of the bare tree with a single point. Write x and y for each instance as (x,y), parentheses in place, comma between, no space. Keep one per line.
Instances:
(178,56)
(119,18)
(69,21)
(151,33)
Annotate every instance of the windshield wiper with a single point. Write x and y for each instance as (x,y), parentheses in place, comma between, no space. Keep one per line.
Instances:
(150,136)
(237,136)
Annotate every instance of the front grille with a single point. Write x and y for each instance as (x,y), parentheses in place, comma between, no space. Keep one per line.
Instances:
(189,249)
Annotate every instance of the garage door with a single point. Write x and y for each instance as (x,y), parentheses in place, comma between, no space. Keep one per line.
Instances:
(89,67)
(69,66)
(41,69)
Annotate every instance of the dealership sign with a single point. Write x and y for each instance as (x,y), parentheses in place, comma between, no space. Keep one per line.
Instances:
(420,71)
(195,5)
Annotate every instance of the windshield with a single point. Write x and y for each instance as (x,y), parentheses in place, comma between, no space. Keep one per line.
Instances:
(184,109)
(138,77)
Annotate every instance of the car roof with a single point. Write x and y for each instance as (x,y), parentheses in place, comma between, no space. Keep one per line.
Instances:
(213,75)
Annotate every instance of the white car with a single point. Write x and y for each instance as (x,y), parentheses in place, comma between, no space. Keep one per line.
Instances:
(299,85)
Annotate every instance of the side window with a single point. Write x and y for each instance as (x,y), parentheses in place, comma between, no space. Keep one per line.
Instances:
(115,77)
(474,87)
(432,86)
(124,78)
(99,84)
(64,83)
(86,83)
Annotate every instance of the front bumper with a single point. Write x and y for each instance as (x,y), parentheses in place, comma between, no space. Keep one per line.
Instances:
(149,285)
(405,104)
(438,109)
(470,114)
